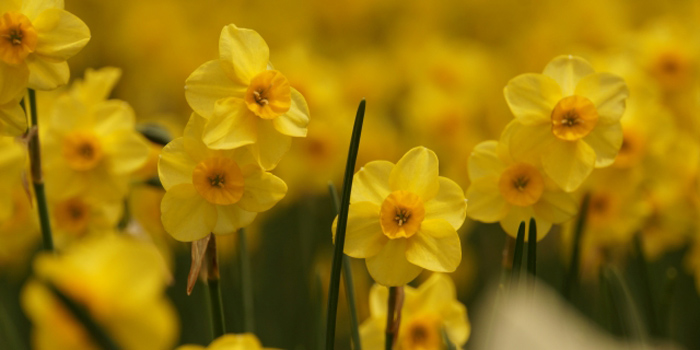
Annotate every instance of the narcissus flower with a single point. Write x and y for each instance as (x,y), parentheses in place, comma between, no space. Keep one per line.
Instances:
(36,39)
(13,121)
(568,118)
(245,101)
(404,218)
(511,192)
(76,217)
(246,341)
(211,191)
(427,312)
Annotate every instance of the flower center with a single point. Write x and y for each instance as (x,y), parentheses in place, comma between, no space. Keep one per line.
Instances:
(422,333)
(401,214)
(602,209)
(18,38)
(672,69)
(82,151)
(521,184)
(72,215)
(219,180)
(269,95)
(573,118)
(632,149)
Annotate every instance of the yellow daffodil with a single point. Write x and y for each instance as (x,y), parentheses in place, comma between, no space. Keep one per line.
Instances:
(427,312)
(246,101)
(245,341)
(211,191)
(568,118)
(119,281)
(91,145)
(404,218)
(511,192)
(36,39)
(76,217)
(13,121)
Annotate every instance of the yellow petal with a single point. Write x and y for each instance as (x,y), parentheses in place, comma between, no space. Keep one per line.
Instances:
(484,161)
(606,141)
(449,204)
(98,84)
(378,297)
(230,218)
(271,145)
(13,121)
(13,82)
(608,93)
(556,207)
(372,333)
(262,190)
(244,52)
(110,116)
(416,172)
(45,75)
(186,215)
(527,143)
(484,200)
(175,165)
(436,292)
(60,34)
(246,341)
(512,221)
(69,114)
(363,237)
(569,163)
(390,267)
(435,247)
(208,84)
(532,97)
(232,125)
(568,71)
(371,182)
(190,347)
(194,146)
(295,121)
(33,8)
(127,151)
(457,326)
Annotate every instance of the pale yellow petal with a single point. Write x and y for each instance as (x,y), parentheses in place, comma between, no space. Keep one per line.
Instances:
(186,215)
(33,8)
(608,93)
(271,145)
(190,347)
(13,82)
(45,75)
(262,190)
(416,172)
(484,200)
(435,247)
(390,267)
(449,204)
(244,52)
(13,121)
(568,71)
(606,141)
(569,163)
(436,292)
(371,182)
(111,116)
(527,143)
(532,97)
(363,237)
(378,297)
(60,34)
(484,160)
(194,146)
(208,84)
(175,165)
(68,114)
(246,341)
(98,84)
(372,333)
(457,326)
(232,125)
(294,123)
(230,218)
(516,215)
(127,151)
(556,207)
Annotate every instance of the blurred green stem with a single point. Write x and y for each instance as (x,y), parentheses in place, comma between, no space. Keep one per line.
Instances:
(517,257)
(349,283)
(246,281)
(646,286)
(571,281)
(334,287)
(532,254)
(393,316)
(217,312)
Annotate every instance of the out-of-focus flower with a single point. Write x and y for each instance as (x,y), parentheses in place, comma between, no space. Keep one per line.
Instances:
(212,191)
(404,218)
(245,341)
(76,217)
(427,312)
(512,192)
(91,144)
(245,101)
(37,37)
(119,281)
(568,118)
(13,121)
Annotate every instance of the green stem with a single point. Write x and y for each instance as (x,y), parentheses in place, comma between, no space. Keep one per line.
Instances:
(646,287)
(334,287)
(532,252)
(572,277)
(37,178)
(349,283)
(393,316)
(246,281)
(217,312)
(517,257)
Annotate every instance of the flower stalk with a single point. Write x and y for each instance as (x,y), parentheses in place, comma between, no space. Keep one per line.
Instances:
(393,316)
(246,282)
(572,277)
(517,257)
(217,312)
(532,253)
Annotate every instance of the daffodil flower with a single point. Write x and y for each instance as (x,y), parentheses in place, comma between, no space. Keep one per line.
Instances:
(245,341)
(211,191)
(245,101)
(13,120)
(511,192)
(36,39)
(404,218)
(568,118)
